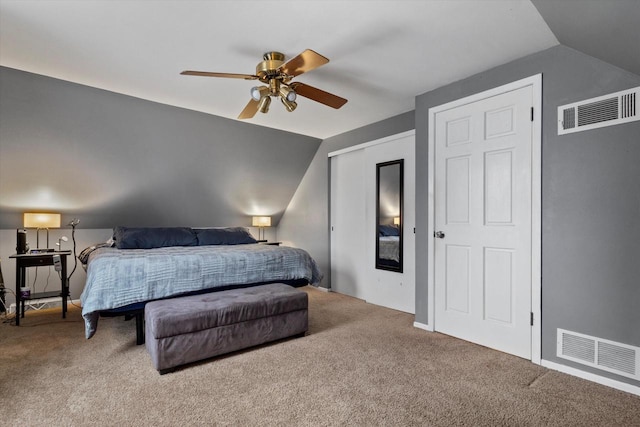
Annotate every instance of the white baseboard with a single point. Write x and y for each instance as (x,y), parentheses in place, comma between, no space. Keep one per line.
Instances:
(422,326)
(619,385)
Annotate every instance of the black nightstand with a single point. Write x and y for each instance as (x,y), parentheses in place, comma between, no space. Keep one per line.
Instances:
(23,261)
(270,243)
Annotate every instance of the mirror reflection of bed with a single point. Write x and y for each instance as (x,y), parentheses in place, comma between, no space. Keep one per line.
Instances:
(389,189)
(389,246)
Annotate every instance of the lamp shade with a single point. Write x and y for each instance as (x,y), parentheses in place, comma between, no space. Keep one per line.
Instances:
(261,221)
(41,220)
(396,220)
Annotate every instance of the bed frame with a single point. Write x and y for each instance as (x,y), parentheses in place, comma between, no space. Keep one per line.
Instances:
(136,311)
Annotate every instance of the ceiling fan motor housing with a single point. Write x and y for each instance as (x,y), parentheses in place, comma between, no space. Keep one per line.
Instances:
(269,67)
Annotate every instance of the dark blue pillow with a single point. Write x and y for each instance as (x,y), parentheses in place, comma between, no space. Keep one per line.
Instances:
(148,238)
(388,230)
(224,236)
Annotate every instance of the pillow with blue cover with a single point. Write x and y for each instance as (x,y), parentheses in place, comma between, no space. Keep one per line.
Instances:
(224,236)
(84,255)
(149,238)
(388,230)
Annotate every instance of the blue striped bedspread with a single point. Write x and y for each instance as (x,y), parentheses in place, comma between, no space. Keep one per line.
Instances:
(119,277)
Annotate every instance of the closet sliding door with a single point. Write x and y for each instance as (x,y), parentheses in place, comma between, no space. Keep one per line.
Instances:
(391,288)
(348,275)
(353,227)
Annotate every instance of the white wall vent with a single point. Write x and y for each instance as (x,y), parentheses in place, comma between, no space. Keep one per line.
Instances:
(608,110)
(621,359)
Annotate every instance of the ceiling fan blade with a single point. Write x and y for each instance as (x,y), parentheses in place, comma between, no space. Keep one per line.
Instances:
(250,110)
(318,95)
(227,75)
(306,61)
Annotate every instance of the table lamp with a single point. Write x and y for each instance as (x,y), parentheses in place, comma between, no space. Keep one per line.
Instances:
(261,222)
(41,221)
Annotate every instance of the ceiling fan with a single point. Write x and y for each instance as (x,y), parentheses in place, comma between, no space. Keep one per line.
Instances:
(277,74)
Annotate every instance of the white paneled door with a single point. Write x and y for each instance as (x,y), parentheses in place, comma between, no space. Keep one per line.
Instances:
(483,221)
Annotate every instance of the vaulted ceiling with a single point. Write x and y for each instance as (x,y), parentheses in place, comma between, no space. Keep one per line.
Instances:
(605,29)
(382,53)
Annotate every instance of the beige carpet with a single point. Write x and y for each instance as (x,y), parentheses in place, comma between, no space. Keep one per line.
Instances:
(359,365)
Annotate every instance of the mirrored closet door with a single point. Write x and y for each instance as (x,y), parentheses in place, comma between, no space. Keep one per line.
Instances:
(372,215)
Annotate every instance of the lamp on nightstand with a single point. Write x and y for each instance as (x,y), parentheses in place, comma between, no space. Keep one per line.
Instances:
(261,222)
(41,221)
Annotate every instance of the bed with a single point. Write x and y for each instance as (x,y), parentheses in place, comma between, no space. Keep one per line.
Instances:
(152,264)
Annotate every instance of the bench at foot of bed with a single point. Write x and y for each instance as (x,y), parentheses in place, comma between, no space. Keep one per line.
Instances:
(184,330)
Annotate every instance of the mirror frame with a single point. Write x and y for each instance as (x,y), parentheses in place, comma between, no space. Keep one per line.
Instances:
(379,264)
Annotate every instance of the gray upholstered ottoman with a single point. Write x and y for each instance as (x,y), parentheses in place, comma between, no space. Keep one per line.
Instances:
(187,329)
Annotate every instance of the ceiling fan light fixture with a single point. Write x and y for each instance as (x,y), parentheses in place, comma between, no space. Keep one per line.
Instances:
(257,92)
(263,107)
(289,105)
(287,93)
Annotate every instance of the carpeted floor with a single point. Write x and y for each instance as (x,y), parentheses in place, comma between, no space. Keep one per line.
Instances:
(359,365)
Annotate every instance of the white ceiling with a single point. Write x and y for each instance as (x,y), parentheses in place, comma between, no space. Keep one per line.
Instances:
(383,53)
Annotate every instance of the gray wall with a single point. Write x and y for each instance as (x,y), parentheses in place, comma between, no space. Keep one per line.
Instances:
(306,222)
(111,159)
(590,201)
(591,204)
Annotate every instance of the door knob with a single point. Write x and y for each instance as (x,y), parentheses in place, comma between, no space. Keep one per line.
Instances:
(438,234)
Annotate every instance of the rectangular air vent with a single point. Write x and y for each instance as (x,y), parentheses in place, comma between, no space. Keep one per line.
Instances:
(608,110)
(621,359)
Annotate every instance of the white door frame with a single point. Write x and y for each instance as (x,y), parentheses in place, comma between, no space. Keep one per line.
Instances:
(536,203)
